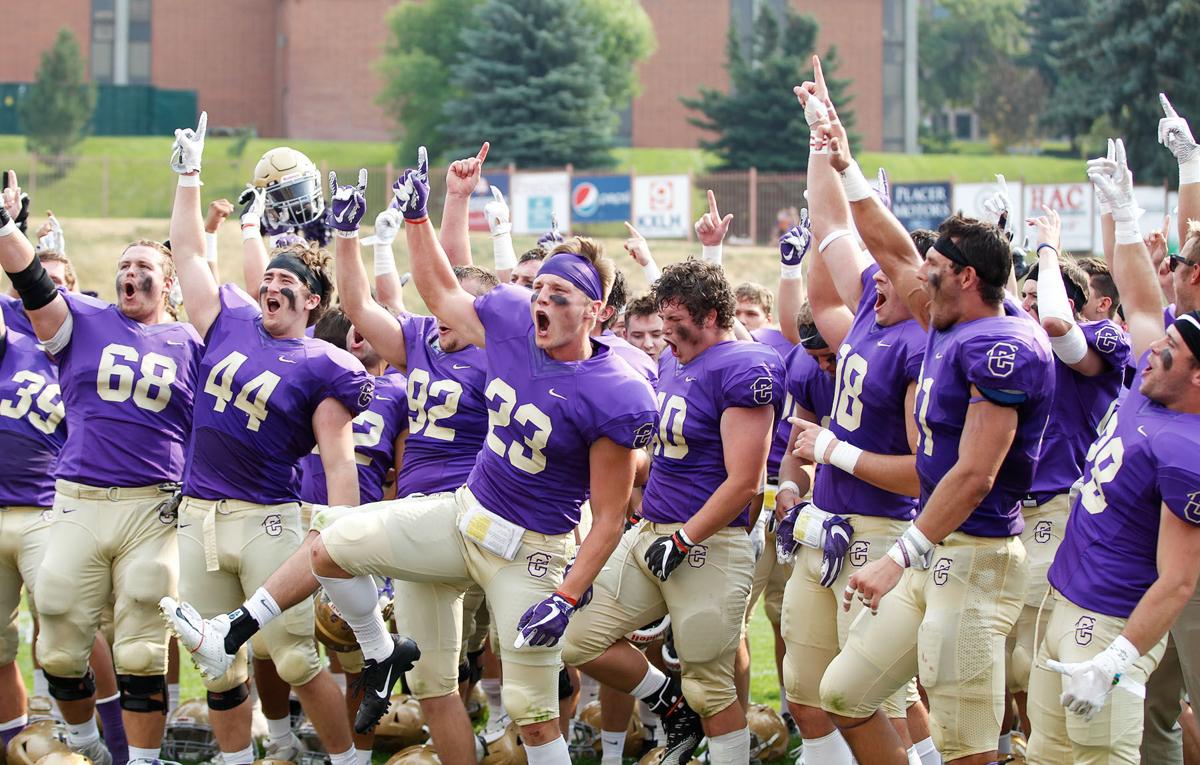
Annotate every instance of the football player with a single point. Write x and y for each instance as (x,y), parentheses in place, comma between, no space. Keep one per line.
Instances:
(719,401)
(603,334)
(957,574)
(62,274)
(866,481)
(561,408)
(1089,367)
(644,327)
(127,373)
(270,394)
(1136,519)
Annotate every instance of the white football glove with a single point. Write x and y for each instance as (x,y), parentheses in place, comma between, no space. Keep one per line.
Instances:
(1088,683)
(1174,133)
(387,227)
(998,204)
(1114,182)
(498,215)
(189,147)
(54,239)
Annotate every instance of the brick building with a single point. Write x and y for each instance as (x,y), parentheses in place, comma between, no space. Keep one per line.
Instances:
(308,68)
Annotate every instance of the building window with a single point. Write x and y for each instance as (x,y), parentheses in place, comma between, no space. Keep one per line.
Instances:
(121,35)
(103,37)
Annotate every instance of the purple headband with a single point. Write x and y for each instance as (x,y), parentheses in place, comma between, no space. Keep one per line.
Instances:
(576,269)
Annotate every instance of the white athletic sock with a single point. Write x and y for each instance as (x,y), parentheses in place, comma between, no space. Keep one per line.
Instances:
(730,748)
(913,757)
(364,756)
(612,747)
(82,734)
(357,599)
(783,704)
(262,607)
(491,689)
(244,757)
(151,755)
(551,753)
(831,749)
(348,757)
(928,752)
(1004,746)
(278,731)
(172,696)
(651,683)
(41,686)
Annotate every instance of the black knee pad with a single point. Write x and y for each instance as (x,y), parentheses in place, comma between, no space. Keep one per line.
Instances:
(71,688)
(231,699)
(475,663)
(143,693)
(464,672)
(565,689)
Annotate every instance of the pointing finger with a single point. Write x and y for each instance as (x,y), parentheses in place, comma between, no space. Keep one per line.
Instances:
(332,184)
(633,232)
(1166,105)
(712,205)
(362,179)
(202,126)
(423,164)
(819,76)
(483,152)
(498,195)
(1120,152)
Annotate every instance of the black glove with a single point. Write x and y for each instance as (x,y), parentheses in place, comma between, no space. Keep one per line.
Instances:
(666,553)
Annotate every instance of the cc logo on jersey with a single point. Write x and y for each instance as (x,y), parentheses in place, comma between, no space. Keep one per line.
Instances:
(273,524)
(858,553)
(763,390)
(1107,339)
(697,556)
(1191,510)
(1041,532)
(643,435)
(941,571)
(1001,359)
(1084,628)
(366,393)
(539,564)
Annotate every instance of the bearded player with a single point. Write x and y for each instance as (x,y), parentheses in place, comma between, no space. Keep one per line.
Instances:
(127,373)
(561,408)
(1130,558)
(955,578)
(719,401)
(270,394)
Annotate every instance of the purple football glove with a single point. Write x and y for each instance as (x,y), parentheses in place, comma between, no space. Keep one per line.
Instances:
(411,190)
(545,622)
(785,540)
(835,544)
(552,237)
(795,244)
(347,204)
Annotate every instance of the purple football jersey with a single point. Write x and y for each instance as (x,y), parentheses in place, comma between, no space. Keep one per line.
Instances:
(128,391)
(544,415)
(689,457)
(255,403)
(32,431)
(447,414)
(808,386)
(775,339)
(875,366)
(375,433)
(1009,359)
(634,357)
(1080,402)
(1145,457)
(15,317)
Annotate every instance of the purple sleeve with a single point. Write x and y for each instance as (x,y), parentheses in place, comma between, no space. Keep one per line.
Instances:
(344,378)
(1109,341)
(752,385)
(1005,369)
(1178,472)
(633,430)
(504,311)
(237,302)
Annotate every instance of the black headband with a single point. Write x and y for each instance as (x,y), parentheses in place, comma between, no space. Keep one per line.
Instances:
(951,251)
(1188,327)
(813,340)
(289,262)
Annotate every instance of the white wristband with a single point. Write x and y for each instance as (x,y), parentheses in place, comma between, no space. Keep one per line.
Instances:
(911,549)
(652,272)
(210,247)
(1189,172)
(9,228)
(1071,347)
(845,457)
(712,254)
(250,231)
(345,234)
(190,181)
(787,486)
(503,252)
(821,445)
(385,261)
(832,237)
(791,272)
(855,183)
(1128,231)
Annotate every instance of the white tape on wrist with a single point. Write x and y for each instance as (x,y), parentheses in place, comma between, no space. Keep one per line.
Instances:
(824,438)
(652,272)
(503,252)
(190,181)
(1123,652)
(912,549)
(832,237)
(345,234)
(791,272)
(1189,172)
(385,261)
(1071,347)
(845,457)
(712,253)
(210,247)
(1128,231)
(787,486)
(855,183)
(250,231)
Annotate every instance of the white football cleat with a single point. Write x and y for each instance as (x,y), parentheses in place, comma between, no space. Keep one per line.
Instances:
(203,638)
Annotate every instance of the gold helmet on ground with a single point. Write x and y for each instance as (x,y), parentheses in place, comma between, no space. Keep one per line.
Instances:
(403,725)
(188,735)
(476,703)
(64,758)
(418,754)
(635,735)
(504,748)
(39,708)
(769,738)
(332,629)
(35,742)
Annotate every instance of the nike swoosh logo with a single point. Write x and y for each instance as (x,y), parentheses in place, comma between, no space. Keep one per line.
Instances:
(382,693)
(1141,429)
(183,525)
(689,379)
(286,360)
(556,395)
(174,342)
(460,366)
(937,355)
(884,345)
(70,510)
(383,398)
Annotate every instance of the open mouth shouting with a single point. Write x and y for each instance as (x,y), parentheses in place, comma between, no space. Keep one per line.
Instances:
(542,322)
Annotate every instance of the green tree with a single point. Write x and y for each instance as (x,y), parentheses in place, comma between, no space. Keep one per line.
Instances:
(56,113)
(961,43)
(1070,111)
(1125,52)
(625,36)
(536,92)
(759,114)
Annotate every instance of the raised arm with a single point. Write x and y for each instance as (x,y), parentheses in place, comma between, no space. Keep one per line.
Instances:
(218,211)
(200,297)
(461,179)
(832,317)
(1132,268)
(711,229)
(500,226)
(639,249)
(46,308)
(1176,135)
(254,252)
(389,290)
(431,269)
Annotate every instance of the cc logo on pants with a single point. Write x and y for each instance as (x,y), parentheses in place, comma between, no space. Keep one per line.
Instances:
(941,571)
(697,556)
(1084,628)
(1041,532)
(858,553)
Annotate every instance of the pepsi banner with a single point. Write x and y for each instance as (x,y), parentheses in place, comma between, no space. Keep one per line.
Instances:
(600,198)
